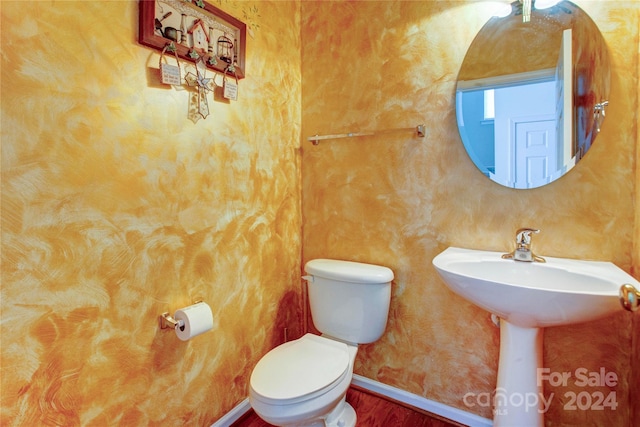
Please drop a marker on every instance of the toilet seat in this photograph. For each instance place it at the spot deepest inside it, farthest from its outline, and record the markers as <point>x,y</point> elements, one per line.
<point>299,370</point>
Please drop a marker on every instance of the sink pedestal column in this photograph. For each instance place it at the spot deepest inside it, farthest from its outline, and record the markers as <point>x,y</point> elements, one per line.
<point>519,400</point>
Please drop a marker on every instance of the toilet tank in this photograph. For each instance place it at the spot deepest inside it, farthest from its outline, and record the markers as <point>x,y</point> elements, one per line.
<point>349,300</point>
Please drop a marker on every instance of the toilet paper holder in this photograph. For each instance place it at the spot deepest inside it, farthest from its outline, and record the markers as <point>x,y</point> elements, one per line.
<point>168,322</point>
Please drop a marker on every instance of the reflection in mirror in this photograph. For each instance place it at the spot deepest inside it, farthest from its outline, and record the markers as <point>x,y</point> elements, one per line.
<point>531,96</point>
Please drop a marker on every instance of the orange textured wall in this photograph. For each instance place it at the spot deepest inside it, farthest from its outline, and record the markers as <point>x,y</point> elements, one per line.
<point>398,200</point>
<point>116,207</point>
<point>635,339</point>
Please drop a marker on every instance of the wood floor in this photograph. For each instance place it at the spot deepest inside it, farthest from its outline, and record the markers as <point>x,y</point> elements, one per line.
<point>373,411</point>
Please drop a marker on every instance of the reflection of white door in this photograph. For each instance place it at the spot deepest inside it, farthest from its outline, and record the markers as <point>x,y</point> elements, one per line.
<point>564,102</point>
<point>535,151</point>
<point>522,117</point>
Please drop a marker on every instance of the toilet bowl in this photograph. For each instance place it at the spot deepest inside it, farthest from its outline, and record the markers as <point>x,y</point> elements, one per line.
<point>304,383</point>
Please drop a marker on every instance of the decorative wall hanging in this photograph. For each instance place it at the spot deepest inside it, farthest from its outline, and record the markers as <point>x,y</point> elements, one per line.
<point>198,104</point>
<point>170,74</point>
<point>194,26</point>
<point>230,88</point>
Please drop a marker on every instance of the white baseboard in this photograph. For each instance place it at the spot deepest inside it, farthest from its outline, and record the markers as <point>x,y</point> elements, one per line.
<point>449,412</point>
<point>234,415</point>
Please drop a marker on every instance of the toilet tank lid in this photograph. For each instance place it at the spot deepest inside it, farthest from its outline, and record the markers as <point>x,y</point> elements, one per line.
<point>349,271</point>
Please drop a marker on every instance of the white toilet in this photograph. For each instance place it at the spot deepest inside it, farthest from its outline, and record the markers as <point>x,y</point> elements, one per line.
<point>304,382</point>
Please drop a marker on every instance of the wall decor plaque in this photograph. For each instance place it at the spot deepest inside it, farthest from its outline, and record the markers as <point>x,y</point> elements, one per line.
<point>195,27</point>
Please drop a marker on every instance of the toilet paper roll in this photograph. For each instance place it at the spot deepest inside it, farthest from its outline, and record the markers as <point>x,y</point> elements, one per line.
<point>193,320</point>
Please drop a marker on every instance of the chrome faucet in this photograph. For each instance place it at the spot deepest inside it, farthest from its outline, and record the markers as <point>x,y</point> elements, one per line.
<point>523,251</point>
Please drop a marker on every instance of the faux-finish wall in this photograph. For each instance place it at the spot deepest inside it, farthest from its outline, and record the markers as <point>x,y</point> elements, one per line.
<point>398,200</point>
<point>116,208</point>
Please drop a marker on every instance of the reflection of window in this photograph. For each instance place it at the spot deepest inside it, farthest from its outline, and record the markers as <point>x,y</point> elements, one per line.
<point>489,104</point>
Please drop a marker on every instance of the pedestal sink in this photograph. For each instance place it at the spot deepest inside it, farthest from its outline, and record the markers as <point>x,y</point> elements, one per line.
<point>528,296</point>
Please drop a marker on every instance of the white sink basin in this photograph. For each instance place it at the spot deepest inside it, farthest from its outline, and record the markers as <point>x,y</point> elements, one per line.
<point>532,294</point>
<point>529,296</point>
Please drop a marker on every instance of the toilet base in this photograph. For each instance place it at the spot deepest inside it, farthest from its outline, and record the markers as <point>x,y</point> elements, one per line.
<point>346,417</point>
<point>343,415</point>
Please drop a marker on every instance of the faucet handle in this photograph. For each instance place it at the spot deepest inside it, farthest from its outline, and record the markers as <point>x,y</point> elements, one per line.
<point>523,236</point>
<point>523,251</point>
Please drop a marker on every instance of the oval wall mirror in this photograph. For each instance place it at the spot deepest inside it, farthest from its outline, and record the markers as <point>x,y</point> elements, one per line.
<point>531,96</point>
